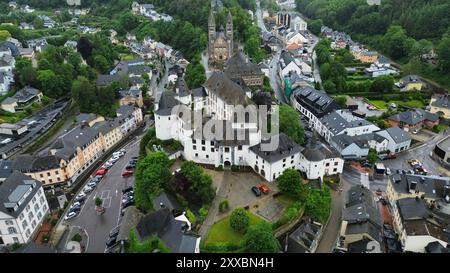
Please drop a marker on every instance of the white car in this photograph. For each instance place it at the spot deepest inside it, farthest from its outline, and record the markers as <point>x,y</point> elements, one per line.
<point>81,195</point>
<point>87,189</point>
<point>76,204</point>
<point>388,171</point>
<point>70,215</point>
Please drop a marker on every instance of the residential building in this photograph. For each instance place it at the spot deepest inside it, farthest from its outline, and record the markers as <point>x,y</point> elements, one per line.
<point>410,82</point>
<point>415,225</point>
<point>343,122</point>
<point>361,221</point>
<point>365,56</point>
<point>305,238</point>
<point>414,120</point>
<point>442,151</point>
<point>292,20</point>
<point>440,104</point>
<point>21,99</point>
<point>133,96</point>
<point>23,207</point>
<point>288,65</point>
<point>356,147</point>
<point>240,67</point>
<point>312,103</point>
<point>399,140</point>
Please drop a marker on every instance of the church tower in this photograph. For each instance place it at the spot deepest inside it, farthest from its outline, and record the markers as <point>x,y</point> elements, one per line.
<point>211,31</point>
<point>229,30</point>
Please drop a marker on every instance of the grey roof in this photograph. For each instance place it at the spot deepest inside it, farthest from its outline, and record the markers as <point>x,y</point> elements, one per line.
<point>285,59</point>
<point>365,228</point>
<point>300,241</point>
<point>136,80</point>
<point>414,116</point>
<point>166,102</point>
<point>86,117</point>
<point>133,92</point>
<point>13,189</point>
<point>138,69</point>
<point>5,169</point>
<point>29,163</point>
<point>181,88</point>
<point>162,224</point>
<point>105,80</point>
<point>398,135</point>
<point>410,79</point>
<point>344,140</point>
<point>239,66</point>
<point>442,101</point>
<point>383,60</point>
<point>125,110</point>
<point>412,209</point>
<point>337,121</point>
<point>362,246</point>
<point>130,219</point>
<point>436,247</point>
<point>431,186</point>
<point>167,200</point>
<point>80,136</point>
<point>316,101</point>
<point>11,46</point>
<point>25,94</point>
<point>360,206</point>
<point>199,92</point>
<point>286,148</point>
<point>226,89</point>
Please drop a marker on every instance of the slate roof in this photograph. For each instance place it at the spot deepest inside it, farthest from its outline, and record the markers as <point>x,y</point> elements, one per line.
<point>199,92</point>
<point>398,135</point>
<point>432,186</point>
<point>11,46</point>
<point>133,92</point>
<point>13,189</point>
<point>415,116</point>
<point>136,80</point>
<point>5,169</point>
<point>239,66</point>
<point>285,59</point>
<point>337,121</point>
<point>226,89</point>
<point>181,88</point>
<point>317,102</point>
<point>436,247</point>
<point>80,136</point>
<point>162,224</point>
<point>344,140</point>
<point>25,94</point>
<point>410,79</point>
<point>105,80</point>
<point>412,209</point>
<point>138,69</point>
<point>441,101</point>
<point>28,163</point>
<point>286,148</point>
<point>166,102</point>
<point>300,241</point>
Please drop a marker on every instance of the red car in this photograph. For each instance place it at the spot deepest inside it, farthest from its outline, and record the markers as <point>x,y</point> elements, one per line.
<point>127,173</point>
<point>100,172</point>
<point>263,188</point>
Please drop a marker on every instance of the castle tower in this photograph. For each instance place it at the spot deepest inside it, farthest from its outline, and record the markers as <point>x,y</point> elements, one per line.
<point>229,32</point>
<point>211,31</point>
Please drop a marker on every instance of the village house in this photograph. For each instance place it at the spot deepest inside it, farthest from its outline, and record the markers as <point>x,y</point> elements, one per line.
<point>21,99</point>
<point>440,105</point>
<point>414,120</point>
<point>240,67</point>
<point>410,82</point>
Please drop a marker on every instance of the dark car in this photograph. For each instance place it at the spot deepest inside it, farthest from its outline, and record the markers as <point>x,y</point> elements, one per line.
<point>111,241</point>
<point>129,167</point>
<point>127,190</point>
<point>114,232</point>
<point>256,191</point>
<point>128,203</point>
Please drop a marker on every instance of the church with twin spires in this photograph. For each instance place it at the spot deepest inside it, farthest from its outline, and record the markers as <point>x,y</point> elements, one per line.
<point>220,45</point>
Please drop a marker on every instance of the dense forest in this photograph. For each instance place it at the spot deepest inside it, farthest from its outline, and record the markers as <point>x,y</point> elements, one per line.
<point>405,30</point>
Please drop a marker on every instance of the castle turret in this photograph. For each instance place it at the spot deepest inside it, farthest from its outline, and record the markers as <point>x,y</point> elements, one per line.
<point>211,31</point>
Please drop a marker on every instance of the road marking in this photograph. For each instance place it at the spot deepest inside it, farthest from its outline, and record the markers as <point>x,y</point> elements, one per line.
<point>105,194</point>
<point>117,192</point>
<point>106,202</point>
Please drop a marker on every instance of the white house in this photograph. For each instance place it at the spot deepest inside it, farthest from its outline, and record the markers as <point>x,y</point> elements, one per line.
<point>343,122</point>
<point>23,207</point>
<point>130,117</point>
<point>399,140</point>
<point>288,65</point>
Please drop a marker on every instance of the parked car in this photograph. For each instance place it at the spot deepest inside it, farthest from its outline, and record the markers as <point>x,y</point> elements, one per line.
<point>366,164</point>
<point>111,241</point>
<point>100,172</point>
<point>79,198</point>
<point>75,209</point>
<point>256,191</point>
<point>128,203</point>
<point>81,195</point>
<point>114,232</point>
<point>388,171</point>
<point>70,215</point>
<point>92,184</point>
<point>263,188</point>
<point>127,173</point>
<point>129,167</point>
<point>87,189</point>
<point>128,189</point>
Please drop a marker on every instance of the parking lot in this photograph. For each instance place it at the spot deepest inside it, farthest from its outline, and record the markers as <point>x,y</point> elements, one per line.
<point>109,189</point>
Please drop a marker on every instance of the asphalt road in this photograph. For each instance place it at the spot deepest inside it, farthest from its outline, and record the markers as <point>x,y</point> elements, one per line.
<point>109,190</point>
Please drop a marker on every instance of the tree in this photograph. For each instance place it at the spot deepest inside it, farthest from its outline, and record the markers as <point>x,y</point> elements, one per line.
<point>50,83</point>
<point>98,202</point>
<point>25,74</point>
<point>38,23</point>
<point>200,183</point>
<point>443,53</point>
<point>239,220</point>
<point>289,123</point>
<point>315,26</point>
<point>195,75</point>
<point>290,183</point>
<point>84,47</point>
<point>152,173</point>
<point>191,217</point>
<point>382,84</point>
<point>318,203</point>
<point>396,43</point>
<point>372,156</point>
<point>260,239</point>
<point>4,34</point>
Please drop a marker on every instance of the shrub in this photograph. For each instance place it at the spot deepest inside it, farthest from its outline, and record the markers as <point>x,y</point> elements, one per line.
<point>239,220</point>
<point>203,211</point>
<point>53,222</point>
<point>46,238</point>
<point>222,247</point>
<point>224,206</point>
<point>77,237</point>
<point>191,217</point>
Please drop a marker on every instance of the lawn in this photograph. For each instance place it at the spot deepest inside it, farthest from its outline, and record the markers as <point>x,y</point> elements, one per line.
<point>381,104</point>
<point>221,232</point>
<point>285,200</point>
